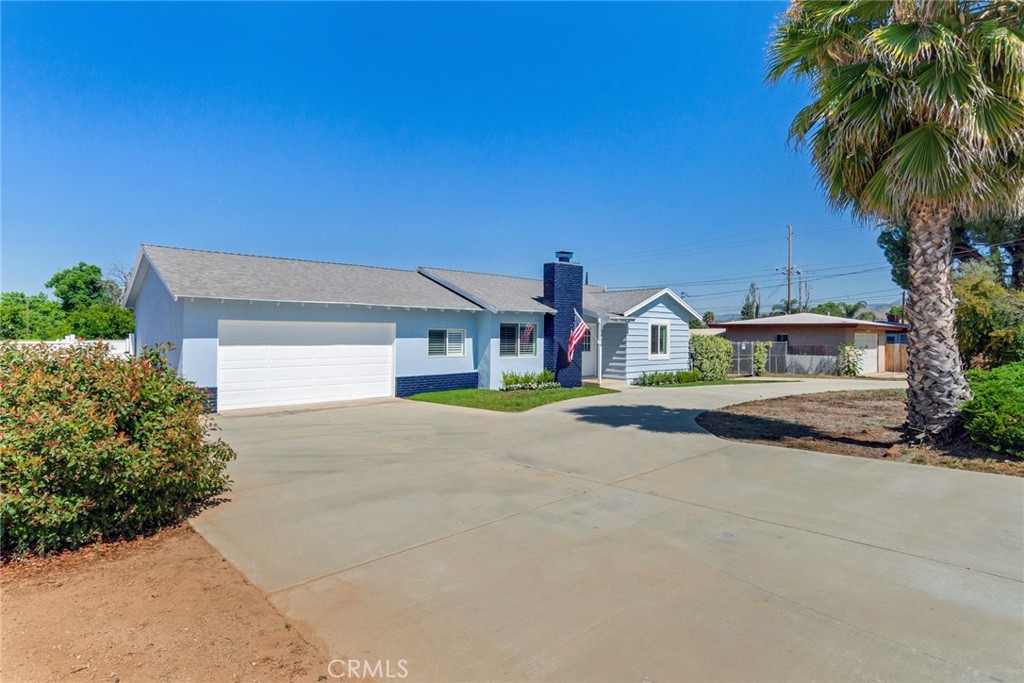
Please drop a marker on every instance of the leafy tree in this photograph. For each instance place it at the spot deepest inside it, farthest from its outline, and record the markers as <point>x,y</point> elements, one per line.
<point>1003,242</point>
<point>917,119</point>
<point>42,318</point>
<point>831,308</point>
<point>751,303</point>
<point>697,324</point>
<point>102,322</point>
<point>989,318</point>
<point>82,286</point>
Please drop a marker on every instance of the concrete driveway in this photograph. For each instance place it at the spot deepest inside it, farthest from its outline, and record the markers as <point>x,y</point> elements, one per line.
<point>610,539</point>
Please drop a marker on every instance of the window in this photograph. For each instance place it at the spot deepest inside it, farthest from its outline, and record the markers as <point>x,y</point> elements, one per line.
<point>446,343</point>
<point>517,339</point>
<point>585,342</point>
<point>659,339</point>
<point>782,338</point>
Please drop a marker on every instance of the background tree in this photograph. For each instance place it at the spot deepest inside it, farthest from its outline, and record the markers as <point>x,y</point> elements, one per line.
<point>708,318</point>
<point>917,119</point>
<point>751,303</point>
<point>989,318</point>
<point>102,322</point>
<point>31,317</point>
<point>82,286</point>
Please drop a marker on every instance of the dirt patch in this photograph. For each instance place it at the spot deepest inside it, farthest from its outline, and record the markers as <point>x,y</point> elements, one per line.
<point>866,424</point>
<point>163,608</point>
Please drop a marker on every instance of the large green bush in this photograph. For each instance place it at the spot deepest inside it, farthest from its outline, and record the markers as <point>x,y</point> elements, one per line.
<point>95,447</point>
<point>712,357</point>
<point>995,416</point>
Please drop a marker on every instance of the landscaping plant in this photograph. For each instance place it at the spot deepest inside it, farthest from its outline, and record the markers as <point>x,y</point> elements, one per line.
<point>995,416</point>
<point>712,357</point>
<point>660,379</point>
<point>848,360</point>
<point>761,357</point>
<point>529,381</point>
<point>94,447</point>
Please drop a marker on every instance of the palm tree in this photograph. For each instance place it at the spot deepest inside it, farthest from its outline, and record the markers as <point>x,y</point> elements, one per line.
<point>917,116</point>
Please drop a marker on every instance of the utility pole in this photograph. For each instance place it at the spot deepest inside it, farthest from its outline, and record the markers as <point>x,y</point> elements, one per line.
<point>789,273</point>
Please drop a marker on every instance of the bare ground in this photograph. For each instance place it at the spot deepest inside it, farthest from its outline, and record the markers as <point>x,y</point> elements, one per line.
<point>865,424</point>
<point>163,608</point>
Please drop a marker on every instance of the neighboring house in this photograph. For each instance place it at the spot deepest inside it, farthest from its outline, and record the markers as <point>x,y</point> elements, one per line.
<point>257,331</point>
<point>813,335</point>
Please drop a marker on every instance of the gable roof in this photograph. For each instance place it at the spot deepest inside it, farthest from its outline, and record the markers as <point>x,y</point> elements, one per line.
<point>194,273</point>
<point>625,302</point>
<point>807,320</point>
<point>218,275</point>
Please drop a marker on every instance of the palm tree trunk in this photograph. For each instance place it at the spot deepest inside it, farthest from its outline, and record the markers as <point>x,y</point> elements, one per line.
<point>934,372</point>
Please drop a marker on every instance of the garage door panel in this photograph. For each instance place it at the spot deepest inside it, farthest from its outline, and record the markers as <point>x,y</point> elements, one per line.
<point>265,364</point>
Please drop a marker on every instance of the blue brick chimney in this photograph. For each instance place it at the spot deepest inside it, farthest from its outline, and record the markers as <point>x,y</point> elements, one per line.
<point>563,291</point>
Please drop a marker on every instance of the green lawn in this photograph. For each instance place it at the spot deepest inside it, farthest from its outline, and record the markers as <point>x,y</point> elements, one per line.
<point>506,401</point>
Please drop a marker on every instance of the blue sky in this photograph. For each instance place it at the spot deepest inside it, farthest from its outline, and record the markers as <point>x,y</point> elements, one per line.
<point>472,136</point>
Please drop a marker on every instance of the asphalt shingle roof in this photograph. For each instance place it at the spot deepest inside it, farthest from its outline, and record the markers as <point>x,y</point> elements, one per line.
<point>217,275</point>
<point>617,303</point>
<point>500,292</point>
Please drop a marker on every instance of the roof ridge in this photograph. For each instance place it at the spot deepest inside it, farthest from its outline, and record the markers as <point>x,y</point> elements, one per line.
<point>278,258</point>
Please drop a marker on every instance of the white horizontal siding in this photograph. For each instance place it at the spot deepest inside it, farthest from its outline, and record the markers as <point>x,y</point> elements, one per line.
<point>637,343</point>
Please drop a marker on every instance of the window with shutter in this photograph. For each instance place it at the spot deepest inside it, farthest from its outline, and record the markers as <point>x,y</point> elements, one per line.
<point>507,342</point>
<point>456,343</point>
<point>436,343</point>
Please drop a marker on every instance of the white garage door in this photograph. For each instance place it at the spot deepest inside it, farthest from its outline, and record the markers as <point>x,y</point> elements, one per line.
<point>868,343</point>
<point>277,363</point>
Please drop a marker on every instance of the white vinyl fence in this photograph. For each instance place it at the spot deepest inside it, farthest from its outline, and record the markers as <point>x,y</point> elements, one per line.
<point>115,347</point>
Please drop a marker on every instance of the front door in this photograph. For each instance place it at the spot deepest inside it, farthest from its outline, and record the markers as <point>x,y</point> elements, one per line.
<point>589,348</point>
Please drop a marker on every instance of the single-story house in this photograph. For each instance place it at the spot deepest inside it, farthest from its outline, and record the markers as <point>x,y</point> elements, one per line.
<point>257,331</point>
<point>812,334</point>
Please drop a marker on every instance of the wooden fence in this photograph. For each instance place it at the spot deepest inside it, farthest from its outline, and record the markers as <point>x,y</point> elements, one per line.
<point>895,357</point>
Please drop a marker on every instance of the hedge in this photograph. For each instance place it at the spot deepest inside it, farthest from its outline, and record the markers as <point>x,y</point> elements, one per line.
<point>94,447</point>
<point>712,357</point>
<point>995,416</point>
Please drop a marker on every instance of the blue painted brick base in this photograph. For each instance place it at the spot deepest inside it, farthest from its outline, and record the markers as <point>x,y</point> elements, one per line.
<point>211,398</point>
<point>418,384</point>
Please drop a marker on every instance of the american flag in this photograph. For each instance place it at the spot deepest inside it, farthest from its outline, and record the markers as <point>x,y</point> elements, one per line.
<point>578,330</point>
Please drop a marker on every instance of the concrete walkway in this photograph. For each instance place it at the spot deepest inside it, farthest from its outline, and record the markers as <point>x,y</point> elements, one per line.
<point>610,539</point>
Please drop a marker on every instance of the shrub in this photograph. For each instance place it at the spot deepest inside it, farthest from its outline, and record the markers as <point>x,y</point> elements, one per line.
<point>93,447</point>
<point>530,381</point>
<point>848,360</point>
<point>761,357</point>
<point>995,416</point>
<point>712,357</point>
<point>660,379</point>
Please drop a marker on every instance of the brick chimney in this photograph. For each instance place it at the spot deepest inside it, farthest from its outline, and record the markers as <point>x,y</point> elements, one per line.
<point>563,291</point>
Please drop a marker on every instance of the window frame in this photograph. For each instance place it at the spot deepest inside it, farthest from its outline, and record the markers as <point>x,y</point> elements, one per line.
<point>519,346</point>
<point>585,342</point>
<point>447,342</point>
<point>781,338</point>
<point>657,324</point>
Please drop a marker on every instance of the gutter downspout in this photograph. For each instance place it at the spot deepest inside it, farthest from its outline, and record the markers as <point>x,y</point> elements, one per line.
<point>600,340</point>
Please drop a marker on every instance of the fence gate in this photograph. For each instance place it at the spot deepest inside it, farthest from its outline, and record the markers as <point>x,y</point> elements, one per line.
<point>895,357</point>
<point>743,358</point>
